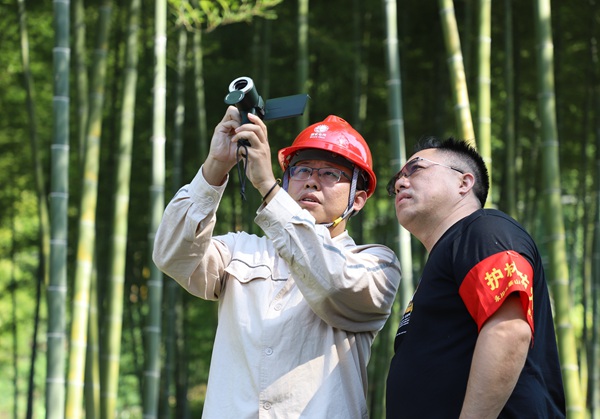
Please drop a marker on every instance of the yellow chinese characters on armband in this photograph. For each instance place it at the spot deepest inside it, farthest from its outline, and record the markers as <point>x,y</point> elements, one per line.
<point>488,283</point>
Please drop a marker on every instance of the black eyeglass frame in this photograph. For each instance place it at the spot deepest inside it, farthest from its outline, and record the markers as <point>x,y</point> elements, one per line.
<point>413,167</point>
<point>320,173</point>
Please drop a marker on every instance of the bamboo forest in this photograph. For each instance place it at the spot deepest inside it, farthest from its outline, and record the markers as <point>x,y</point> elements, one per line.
<point>109,108</point>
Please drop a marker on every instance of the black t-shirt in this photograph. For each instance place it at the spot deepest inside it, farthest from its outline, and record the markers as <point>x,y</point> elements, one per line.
<point>474,266</point>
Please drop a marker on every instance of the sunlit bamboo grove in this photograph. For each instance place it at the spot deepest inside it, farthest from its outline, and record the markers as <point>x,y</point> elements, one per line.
<point>108,109</point>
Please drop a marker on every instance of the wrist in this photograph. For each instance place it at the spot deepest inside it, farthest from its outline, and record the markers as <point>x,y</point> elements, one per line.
<point>214,171</point>
<point>266,196</point>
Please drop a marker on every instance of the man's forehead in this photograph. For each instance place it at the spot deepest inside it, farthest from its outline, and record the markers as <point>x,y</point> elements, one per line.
<point>427,153</point>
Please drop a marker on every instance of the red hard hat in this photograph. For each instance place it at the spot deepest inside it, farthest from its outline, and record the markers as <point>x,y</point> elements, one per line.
<point>336,135</point>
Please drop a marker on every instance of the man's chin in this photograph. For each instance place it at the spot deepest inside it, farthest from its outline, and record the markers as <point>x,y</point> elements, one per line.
<point>403,217</point>
<point>312,211</point>
<point>309,206</point>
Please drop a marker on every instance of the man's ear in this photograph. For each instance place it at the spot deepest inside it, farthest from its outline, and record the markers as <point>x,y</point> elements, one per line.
<point>360,199</point>
<point>467,182</point>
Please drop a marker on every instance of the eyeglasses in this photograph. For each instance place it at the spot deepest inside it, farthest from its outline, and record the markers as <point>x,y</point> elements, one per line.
<point>328,176</point>
<point>410,168</point>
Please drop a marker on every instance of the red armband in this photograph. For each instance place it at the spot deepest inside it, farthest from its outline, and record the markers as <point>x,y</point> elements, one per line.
<point>488,283</point>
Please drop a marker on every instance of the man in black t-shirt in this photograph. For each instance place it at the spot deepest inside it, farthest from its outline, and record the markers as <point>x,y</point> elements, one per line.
<point>477,340</point>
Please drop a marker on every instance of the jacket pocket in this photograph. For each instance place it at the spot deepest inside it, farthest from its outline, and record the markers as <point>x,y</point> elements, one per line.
<point>245,272</point>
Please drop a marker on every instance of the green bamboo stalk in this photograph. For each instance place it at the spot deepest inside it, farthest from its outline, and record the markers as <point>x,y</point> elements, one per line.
<point>198,53</point>
<point>81,76</point>
<point>398,147</point>
<point>13,308</point>
<point>155,283</point>
<point>92,382</point>
<point>583,232</point>
<point>484,119</point>
<point>458,80</point>
<point>554,223</point>
<point>40,189</point>
<point>179,117</point>
<point>92,358</point>
<point>44,234</point>
<point>398,143</point>
<point>59,196</point>
<point>510,186</point>
<point>87,224</point>
<point>113,318</point>
<point>594,364</point>
<point>172,288</point>
<point>263,57</point>
<point>594,385</point>
<point>302,75</point>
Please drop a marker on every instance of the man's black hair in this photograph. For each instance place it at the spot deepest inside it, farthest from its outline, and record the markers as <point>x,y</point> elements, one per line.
<point>466,154</point>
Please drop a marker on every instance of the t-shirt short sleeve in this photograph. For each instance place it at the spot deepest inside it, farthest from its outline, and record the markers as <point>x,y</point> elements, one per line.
<point>492,280</point>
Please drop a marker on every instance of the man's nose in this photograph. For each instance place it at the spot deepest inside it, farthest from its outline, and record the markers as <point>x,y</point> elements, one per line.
<point>400,183</point>
<point>313,180</point>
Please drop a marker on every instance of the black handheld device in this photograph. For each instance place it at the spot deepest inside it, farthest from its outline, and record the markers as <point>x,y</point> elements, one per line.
<point>244,96</point>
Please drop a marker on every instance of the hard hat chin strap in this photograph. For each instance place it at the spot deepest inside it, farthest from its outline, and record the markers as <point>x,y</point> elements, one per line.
<point>348,212</point>
<point>286,179</point>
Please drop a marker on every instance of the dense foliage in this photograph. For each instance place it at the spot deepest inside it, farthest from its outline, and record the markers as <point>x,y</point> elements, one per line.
<point>261,42</point>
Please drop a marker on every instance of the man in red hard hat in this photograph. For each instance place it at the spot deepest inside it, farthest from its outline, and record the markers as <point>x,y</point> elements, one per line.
<point>300,306</point>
